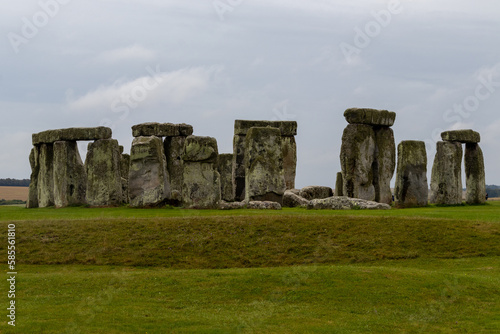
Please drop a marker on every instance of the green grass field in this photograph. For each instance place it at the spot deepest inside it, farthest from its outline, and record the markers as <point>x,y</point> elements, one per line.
<point>121,270</point>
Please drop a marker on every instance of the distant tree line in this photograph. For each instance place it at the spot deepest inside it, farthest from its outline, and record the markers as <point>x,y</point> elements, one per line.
<point>14,183</point>
<point>493,191</point>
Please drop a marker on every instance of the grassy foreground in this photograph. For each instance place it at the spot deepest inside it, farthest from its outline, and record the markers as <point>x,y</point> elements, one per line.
<point>429,270</point>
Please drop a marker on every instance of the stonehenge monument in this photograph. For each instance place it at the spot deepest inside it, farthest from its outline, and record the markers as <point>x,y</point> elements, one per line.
<point>368,154</point>
<point>446,180</point>
<point>411,175</point>
<point>167,164</point>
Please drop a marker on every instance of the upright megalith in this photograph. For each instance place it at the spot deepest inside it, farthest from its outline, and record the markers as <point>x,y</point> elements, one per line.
<point>368,154</point>
<point>225,169</point>
<point>35,168</point>
<point>104,186</point>
<point>201,181</point>
<point>446,180</point>
<point>148,180</point>
<point>288,131</point>
<point>264,174</point>
<point>474,174</point>
<point>70,178</point>
<point>46,176</point>
<point>357,155</point>
<point>339,185</point>
<point>411,176</point>
<point>124,171</point>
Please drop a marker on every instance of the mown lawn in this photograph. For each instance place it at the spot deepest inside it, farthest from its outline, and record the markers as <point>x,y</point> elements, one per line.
<point>121,270</point>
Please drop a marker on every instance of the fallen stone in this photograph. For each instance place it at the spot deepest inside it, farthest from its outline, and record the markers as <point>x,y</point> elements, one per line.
<point>316,192</point>
<point>148,181</point>
<point>293,200</point>
<point>287,128</point>
<point>225,169</point>
<point>370,117</point>
<point>339,185</point>
<point>357,155</point>
<point>446,180</point>
<point>264,174</point>
<point>104,186</point>
<point>474,174</point>
<point>411,177</point>
<point>70,178</point>
<point>223,205</point>
<point>385,164</point>
<point>263,205</point>
<point>35,169</point>
<point>71,134</point>
<point>345,203</point>
<point>46,176</point>
<point>462,136</point>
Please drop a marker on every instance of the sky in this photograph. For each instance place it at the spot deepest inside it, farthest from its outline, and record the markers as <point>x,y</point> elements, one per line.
<point>70,63</point>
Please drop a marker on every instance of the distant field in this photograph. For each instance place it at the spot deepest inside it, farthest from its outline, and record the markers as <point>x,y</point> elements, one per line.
<point>11,193</point>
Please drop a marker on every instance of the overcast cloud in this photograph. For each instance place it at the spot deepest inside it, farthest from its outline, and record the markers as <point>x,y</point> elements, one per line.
<point>118,63</point>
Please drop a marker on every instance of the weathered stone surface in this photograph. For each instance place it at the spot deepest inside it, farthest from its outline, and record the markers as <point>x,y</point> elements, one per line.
<point>370,116</point>
<point>70,178</point>
<point>475,174</point>
<point>223,205</point>
<point>161,129</point>
<point>287,128</point>
<point>356,157</point>
<point>35,169</point>
<point>462,136</point>
<point>71,134</point>
<point>198,149</point>
<point>384,164</point>
<point>174,147</point>
<point>316,192</point>
<point>446,180</point>
<point>264,174</point>
<point>289,148</point>
<point>339,185</point>
<point>124,171</point>
<point>263,205</point>
<point>225,169</point>
<point>239,167</point>
<point>201,185</point>
<point>148,181</point>
<point>345,203</point>
<point>104,186</point>
<point>46,176</point>
<point>292,200</point>
<point>411,177</point>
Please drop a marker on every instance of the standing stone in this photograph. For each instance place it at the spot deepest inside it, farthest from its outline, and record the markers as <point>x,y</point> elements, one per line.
<point>289,149</point>
<point>70,178</point>
<point>446,180</point>
<point>104,186</point>
<point>201,181</point>
<point>124,171</point>
<point>356,157</point>
<point>46,176</point>
<point>35,168</point>
<point>225,169</point>
<point>264,174</point>
<point>339,185</point>
<point>475,175</point>
<point>411,177</point>
<point>174,147</point>
<point>239,167</point>
<point>384,164</point>
<point>148,183</point>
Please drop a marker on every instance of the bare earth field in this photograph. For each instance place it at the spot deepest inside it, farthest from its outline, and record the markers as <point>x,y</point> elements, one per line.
<point>11,193</point>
